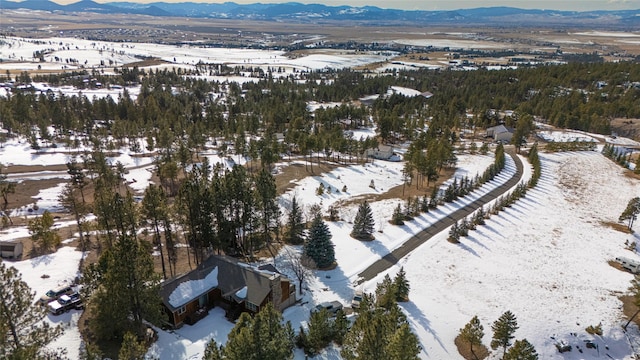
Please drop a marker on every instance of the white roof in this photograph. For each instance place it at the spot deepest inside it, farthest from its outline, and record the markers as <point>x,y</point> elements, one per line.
<point>189,290</point>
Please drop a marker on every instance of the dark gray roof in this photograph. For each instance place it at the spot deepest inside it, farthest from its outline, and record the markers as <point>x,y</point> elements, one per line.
<point>232,277</point>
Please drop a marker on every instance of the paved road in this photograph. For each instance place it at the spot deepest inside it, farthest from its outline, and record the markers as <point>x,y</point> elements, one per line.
<point>420,238</point>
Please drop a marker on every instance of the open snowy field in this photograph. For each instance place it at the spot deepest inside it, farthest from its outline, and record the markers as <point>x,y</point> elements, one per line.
<point>545,259</point>
<point>18,54</point>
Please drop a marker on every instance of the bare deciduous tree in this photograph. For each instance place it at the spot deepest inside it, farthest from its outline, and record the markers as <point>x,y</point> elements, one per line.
<point>300,265</point>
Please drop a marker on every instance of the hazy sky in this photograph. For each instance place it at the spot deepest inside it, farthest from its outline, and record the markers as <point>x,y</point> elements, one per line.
<point>579,5</point>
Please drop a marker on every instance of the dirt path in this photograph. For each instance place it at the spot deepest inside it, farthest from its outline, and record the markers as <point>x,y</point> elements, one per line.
<point>420,238</point>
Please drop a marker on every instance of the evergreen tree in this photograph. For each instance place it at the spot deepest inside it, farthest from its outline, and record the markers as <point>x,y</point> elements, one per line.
<point>23,333</point>
<point>131,348</point>
<point>154,209</point>
<point>379,333</point>
<point>398,217</point>
<point>630,213</point>
<point>212,351</point>
<point>266,204</point>
<point>318,246</point>
<point>401,285</point>
<point>434,198</point>
<point>386,293</point>
<point>295,226</point>
<point>128,291</point>
<point>454,233</point>
<point>6,187</point>
<point>68,199</point>
<point>363,224</point>
<point>340,327</point>
<point>320,332</point>
<point>472,333</point>
<point>521,350</point>
<point>263,337</point>
<point>240,343</point>
<point>478,219</point>
<point>424,204</point>
<point>503,330</point>
<point>403,344</point>
<point>44,237</point>
<point>78,177</point>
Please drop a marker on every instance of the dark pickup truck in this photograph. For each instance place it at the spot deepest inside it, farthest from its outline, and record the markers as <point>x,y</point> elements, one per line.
<point>66,303</point>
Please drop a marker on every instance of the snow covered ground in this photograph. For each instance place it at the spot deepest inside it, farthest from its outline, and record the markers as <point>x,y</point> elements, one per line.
<point>545,258</point>
<point>17,54</point>
<point>564,136</point>
<point>47,272</point>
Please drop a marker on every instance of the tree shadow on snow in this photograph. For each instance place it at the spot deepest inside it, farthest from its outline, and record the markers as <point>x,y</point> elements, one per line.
<point>417,319</point>
<point>475,240</point>
<point>468,249</point>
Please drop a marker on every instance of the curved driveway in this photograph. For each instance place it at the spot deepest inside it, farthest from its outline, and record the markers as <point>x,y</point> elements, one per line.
<point>420,238</point>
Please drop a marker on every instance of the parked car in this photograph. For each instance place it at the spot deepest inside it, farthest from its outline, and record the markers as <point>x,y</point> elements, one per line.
<point>331,307</point>
<point>54,294</point>
<point>65,303</point>
<point>357,298</point>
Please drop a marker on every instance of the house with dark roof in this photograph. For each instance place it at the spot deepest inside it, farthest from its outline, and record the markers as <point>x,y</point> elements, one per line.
<point>224,281</point>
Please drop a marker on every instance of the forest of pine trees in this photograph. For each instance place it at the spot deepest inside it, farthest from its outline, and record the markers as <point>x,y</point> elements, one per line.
<point>234,211</point>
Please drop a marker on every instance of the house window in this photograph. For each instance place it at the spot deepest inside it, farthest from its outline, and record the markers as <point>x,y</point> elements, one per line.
<point>251,306</point>
<point>182,310</point>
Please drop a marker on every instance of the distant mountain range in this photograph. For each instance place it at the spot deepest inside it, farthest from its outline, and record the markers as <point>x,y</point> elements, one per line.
<point>316,13</point>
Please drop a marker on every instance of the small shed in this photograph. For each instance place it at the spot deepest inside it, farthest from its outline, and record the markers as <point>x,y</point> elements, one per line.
<point>11,249</point>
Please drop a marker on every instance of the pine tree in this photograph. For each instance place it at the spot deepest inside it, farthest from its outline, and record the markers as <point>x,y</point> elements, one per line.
<point>386,293</point>
<point>263,337</point>
<point>479,216</point>
<point>23,333</point>
<point>631,212</point>
<point>340,327</point>
<point>6,187</point>
<point>44,237</point>
<point>295,226</point>
<point>401,285</point>
<point>503,330</point>
<point>131,348</point>
<point>363,224</point>
<point>472,333</point>
<point>154,208</point>
<point>521,350</point>
<point>301,338</point>
<point>434,198</point>
<point>266,204</point>
<point>128,291</point>
<point>463,229</point>
<point>69,201</point>
<point>403,345</point>
<point>320,332</point>
<point>318,246</point>
<point>454,233</point>
<point>240,344</point>
<point>78,177</point>
<point>424,204</point>
<point>379,333</point>
<point>397,218</point>
<point>212,351</point>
